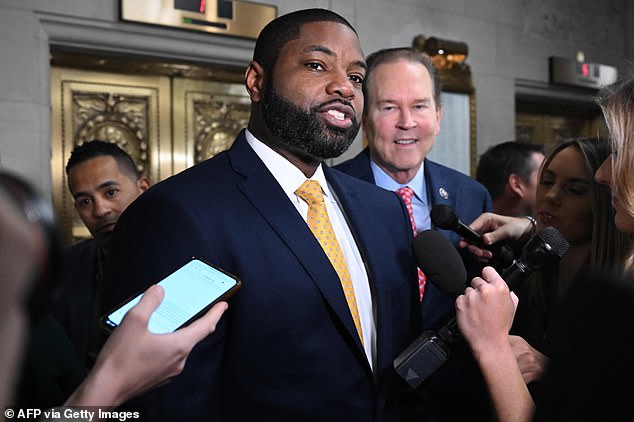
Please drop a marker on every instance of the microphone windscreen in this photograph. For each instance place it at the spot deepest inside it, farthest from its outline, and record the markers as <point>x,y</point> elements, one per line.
<point>437,257</point>
<point>543,250</point>
<point>556,240</point>
<point>444,217</point>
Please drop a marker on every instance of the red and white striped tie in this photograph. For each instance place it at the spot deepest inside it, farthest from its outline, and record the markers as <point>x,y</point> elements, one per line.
<point>407,193</point>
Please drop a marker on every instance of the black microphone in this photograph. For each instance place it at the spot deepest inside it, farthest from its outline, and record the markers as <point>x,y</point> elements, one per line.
<point>430,350</point>
<point>543,250</point>
<point>444,217</point>
<point>437,257</point>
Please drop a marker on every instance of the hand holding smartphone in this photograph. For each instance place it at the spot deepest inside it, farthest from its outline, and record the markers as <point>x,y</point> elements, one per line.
<point>189,292</point>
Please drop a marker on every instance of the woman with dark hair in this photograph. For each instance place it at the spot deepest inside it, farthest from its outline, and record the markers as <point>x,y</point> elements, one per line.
<point>569,200</point>
<point>589,377</point>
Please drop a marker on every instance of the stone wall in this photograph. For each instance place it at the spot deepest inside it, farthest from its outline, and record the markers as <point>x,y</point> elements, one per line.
<point>508,40</point>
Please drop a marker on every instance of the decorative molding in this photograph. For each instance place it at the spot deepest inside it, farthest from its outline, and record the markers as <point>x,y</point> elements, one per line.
<point>217,122</point>
<point>111,117</point>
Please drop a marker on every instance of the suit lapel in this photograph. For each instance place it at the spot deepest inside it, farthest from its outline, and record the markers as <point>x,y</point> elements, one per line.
<point>268,198</point>
<point>438,189</point>
<point>357,216</point>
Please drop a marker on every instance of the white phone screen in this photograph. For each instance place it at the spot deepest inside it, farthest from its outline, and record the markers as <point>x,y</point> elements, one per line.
<point>188,291</point>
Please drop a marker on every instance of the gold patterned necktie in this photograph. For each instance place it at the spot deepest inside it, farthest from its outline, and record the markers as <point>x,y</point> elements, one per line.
<point>407,193</point>
<point>319,223</point>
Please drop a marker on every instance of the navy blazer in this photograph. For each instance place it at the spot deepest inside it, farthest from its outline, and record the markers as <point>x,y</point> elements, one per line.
<point>465,195</point>
<point>73,296</point>
<point>287,348</point>
<point>460,378</point>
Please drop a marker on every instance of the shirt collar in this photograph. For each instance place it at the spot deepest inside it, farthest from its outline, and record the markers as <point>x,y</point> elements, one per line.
<point>287,175</point>
<point>417,184</point>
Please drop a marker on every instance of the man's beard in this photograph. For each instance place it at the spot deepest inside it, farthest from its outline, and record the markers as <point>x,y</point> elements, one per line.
<point>304,131</point>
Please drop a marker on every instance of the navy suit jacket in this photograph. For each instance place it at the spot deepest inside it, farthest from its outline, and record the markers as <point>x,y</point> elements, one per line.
<point>446,186</point>
<point>287,348</point>
<point>460,378</point>
<point>72,302</point>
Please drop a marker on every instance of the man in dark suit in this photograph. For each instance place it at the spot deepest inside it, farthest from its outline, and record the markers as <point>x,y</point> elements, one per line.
<point>291,347</point>
<point>401,120</point>
<point>103,181</point>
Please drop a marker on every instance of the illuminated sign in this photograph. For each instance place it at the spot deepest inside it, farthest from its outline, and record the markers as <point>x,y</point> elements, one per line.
<point>238,18</point>
<point>572,72</point>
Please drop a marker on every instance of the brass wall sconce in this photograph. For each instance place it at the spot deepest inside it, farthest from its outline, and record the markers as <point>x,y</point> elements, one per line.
<point>449,57</point>
<point>445,54</point>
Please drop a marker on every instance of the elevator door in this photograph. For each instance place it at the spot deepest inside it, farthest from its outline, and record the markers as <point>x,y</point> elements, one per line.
<point>549,121</point>
<point>551,130</point>
<point>166,123</point>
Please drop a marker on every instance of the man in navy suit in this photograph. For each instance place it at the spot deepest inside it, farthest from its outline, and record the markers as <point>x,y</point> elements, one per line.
<point>288,348</point>
<point>401,119</point>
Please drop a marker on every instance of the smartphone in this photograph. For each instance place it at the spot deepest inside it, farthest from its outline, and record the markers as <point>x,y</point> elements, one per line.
<point>189,292</point>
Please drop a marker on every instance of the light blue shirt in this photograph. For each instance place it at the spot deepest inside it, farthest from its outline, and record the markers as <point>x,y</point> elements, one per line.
<point>420,205</point>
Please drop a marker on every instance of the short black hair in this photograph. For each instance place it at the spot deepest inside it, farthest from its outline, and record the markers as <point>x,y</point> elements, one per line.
<point>391,55</point>
<point>97,148</point>
<point>501,160</point>
<point>285,28</point>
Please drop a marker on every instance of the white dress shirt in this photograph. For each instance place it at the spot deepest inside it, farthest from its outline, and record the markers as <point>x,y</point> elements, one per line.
<point>290,179</point>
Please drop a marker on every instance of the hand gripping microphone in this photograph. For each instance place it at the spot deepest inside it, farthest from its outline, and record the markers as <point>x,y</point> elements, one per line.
<point>543,250</point>
<point>437,257</point>
<point>431,350</point>
<point>444,217</point>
